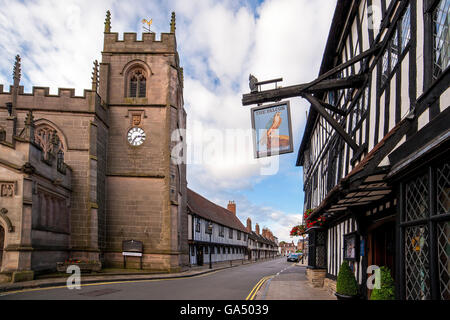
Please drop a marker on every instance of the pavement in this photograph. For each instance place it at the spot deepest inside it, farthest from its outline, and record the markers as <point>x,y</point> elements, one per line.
<point>121,275</point>
<point>291,284</point>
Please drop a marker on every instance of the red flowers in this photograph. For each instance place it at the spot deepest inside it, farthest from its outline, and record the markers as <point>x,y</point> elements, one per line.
<point>72,261</point>
<point>312,223</point>
<point>297,230</point>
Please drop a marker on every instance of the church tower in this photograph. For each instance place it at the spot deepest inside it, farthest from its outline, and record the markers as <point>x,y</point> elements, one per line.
<point>141,86</point>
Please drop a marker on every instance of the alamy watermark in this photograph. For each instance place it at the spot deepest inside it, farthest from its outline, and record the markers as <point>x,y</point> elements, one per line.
<point>374,281</point>
<point>74,281</point>
<point>227,147</point>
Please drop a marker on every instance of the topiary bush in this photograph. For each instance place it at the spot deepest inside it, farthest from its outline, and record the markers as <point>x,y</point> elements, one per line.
<point>387,290</point>
<point>346,282</point>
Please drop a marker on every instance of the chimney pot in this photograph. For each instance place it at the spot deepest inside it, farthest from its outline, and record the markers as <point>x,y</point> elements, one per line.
<point>232,207</point>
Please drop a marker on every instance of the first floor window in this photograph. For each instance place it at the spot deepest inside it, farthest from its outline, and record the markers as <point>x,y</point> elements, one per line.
<point>441,38</point>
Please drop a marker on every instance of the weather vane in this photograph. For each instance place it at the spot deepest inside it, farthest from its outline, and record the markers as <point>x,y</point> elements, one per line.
<point>149,23</point>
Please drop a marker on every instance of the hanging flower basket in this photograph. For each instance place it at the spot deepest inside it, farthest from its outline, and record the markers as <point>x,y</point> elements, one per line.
<point>298,230</point>
<point>310,223</point>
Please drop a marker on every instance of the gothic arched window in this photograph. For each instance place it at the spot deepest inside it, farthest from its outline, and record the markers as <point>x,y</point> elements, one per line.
<point>137,84</point>
<point>49,140</point>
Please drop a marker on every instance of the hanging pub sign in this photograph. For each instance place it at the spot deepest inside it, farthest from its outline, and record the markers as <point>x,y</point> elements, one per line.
<point>272,131</point>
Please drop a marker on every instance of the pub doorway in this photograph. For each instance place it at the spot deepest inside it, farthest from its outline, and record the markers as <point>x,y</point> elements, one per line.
<point>2,244</point>
<point>381,246</point>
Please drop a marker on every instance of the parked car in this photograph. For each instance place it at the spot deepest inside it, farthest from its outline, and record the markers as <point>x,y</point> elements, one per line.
<point>294,257</point>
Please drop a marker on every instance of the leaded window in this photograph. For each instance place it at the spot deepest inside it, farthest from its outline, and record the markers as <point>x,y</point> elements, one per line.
<point>441,38</point>
<point>443,240</point>
<point>425,228</point>
<point>443,189</point>
<point>417,198</point>
<point>230,233</point>
<point>417,263</point>
<point>221,231</point>
<point>396,46</point>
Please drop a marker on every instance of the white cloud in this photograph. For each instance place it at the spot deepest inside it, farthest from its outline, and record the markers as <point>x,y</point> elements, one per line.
<point>220,43</point>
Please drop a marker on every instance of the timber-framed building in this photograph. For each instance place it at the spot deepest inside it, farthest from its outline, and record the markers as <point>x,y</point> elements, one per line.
<point>375,150</point>
<point>392,191</point>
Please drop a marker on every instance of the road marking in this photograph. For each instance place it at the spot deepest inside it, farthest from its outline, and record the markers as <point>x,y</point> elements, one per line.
<point>104,283</point>
<point>256,288</point>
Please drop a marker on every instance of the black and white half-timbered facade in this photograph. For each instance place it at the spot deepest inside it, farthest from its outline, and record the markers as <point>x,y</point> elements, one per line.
<point>214,232</point>
<point>375,151</point>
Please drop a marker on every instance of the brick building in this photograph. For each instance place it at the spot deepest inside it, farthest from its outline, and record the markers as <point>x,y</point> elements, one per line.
<point>79,175</point>
<point>287,248</point>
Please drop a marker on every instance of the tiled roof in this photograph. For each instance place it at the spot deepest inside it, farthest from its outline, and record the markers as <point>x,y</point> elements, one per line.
<point>211,211</point>
<point>254,236</point>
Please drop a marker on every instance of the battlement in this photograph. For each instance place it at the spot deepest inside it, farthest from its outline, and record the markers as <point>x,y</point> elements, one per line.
<point>45,92</point>
<point>65,100</point>
<point>130,44</point>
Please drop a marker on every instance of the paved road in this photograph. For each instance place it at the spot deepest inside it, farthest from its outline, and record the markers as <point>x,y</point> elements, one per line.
<point>228,284</point>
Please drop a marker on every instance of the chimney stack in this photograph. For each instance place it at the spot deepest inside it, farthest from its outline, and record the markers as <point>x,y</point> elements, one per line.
<point>257,229</point>
<point>232,207</point>
<point>249,225</point>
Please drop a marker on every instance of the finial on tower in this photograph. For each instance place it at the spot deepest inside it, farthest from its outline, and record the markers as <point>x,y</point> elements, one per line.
<point>17,71</point>
<point>172,23</point>
<point>95,76</point>
<point>108,22</point>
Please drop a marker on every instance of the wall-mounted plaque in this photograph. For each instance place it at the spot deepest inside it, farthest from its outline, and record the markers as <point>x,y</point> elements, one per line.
<point>7,190</point>
<point>351,246</point>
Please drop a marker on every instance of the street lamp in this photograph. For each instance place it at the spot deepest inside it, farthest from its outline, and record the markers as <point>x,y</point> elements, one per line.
<point>210,229</point>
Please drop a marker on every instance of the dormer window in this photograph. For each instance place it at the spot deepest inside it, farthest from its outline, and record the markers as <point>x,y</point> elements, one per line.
<point>137,84</point>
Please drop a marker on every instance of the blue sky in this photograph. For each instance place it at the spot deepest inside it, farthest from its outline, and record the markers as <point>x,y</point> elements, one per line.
<point>220,43</point>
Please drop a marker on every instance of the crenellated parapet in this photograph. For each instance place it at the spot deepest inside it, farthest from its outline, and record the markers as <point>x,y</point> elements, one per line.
<point>65,100</point>
<point>148,44</point>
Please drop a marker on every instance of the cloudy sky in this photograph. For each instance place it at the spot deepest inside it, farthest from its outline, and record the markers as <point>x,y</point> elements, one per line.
<point>220,43</point>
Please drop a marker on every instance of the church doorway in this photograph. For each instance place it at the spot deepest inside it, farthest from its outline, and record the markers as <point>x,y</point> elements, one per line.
<point>2,243</point>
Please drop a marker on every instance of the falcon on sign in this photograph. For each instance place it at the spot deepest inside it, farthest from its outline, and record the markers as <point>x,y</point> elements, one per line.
<point>272,125</point>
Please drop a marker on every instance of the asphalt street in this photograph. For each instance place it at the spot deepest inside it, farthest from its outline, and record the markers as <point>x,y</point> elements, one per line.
<point>227,284</point>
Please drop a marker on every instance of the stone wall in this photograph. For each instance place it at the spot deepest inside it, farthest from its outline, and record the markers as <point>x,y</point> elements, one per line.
<point>329,285</point>
<point>316,277</point>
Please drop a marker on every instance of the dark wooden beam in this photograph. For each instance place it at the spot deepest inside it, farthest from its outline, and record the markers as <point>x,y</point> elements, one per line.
<point>318,106</point>
<point>334,109</point>
<point>368,53</point>
<point>295,91</point>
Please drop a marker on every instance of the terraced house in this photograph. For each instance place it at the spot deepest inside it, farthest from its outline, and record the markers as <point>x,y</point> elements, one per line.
<point>380,174</point>
<point>214,232</point>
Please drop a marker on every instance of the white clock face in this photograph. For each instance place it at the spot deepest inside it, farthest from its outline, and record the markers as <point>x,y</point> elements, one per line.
<point>136,136</point>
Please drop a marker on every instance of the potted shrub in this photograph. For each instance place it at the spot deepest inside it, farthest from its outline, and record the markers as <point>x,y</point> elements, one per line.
<point>387,289</point>
<point>346,285</point>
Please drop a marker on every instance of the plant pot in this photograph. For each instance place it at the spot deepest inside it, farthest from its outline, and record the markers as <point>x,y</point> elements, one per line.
<point>345,297</point>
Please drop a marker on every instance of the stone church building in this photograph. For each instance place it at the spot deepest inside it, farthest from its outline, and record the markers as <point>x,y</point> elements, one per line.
<point>80,175</point>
